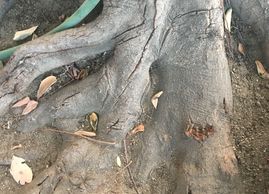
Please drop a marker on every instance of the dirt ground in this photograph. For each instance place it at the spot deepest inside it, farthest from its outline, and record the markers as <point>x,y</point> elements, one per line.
<point>250,95</point>
<point>250,112</point>
<point>28,13</point>
<point>25,14</point>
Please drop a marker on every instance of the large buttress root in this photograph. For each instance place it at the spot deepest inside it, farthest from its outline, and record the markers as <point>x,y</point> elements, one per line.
<point>158,45</point>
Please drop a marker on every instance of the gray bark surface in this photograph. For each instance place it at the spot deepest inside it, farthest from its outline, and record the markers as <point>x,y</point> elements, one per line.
<point>176,47</point>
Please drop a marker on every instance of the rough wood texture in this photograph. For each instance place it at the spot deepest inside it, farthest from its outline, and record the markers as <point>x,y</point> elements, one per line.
<point>167,45</point>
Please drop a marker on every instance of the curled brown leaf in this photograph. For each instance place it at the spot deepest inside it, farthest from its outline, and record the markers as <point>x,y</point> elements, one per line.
<point>137,129</point>
<point>155,98</point>
<point>199,132</point>
<point>82,74</point>
<point>21,102</point>
<point>32,104</point>
<point>261,70</point>
<point>241,48</point>
<point>228,19</point>
<point>93,120</point>
<point>45,85</point>
<point>20,35</point>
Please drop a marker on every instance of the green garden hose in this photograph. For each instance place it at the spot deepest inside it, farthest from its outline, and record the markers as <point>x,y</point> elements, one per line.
<point>72,21</point>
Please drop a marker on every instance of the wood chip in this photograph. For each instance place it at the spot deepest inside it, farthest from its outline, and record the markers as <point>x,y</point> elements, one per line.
<point>119,161</point>
<point>32,104</point>
<point>241,49</point>
<point>45,85</point>
<point>261,70</point>
<point>137,129</point>
<point>20,171</point>
<point>21,102</point>
<point>155,98</point>
<point>85,133</point>
<point>228,19</point>
<point>20,35</point>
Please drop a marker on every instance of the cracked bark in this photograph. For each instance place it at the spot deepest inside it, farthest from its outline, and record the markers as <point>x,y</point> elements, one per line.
<point>158,53</point>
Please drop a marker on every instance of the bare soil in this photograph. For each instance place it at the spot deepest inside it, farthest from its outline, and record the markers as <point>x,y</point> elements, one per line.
<point>28,13</point>
<point>250,112</point>
<point>23,15</point>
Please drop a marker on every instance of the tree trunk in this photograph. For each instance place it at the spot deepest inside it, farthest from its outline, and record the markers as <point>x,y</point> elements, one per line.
<point>139,48</point>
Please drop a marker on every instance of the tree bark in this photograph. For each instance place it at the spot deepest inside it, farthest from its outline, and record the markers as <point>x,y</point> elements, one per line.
<point>170,46</point>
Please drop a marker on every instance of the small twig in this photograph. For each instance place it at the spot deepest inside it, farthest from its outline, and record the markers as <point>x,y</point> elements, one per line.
<point>116,128</point>
<point>128,168</point>
<point>121,170</point>
<point>40,183</point>
<point>113,126</point>
<point>81,136</point>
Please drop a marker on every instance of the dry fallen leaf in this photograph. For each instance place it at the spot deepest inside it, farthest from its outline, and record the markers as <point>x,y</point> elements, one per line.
<point>45,85</point>
<point>21,102</point>
<point>154,99</point>
<point>118,161</point>
<point>32,104</point>
<point>93,120</point>
<point>261,70</point>
<point>20,35</point>
<point>228,19</point>
<point>82,74</point>
<point>241,48</point>
<point>20,171</point>
<point>137,129</point>
<point>198,131</point>
<point>85,133</point>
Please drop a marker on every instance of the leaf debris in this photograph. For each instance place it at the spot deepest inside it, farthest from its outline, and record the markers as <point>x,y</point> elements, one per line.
<point>118,161</point>
<point>137,129</point>
<point>93,120</point>
<point>32,104</point>
<point>199,132</point>
<point>154,99</point>
<point>228,19</point>
<point>20,35</point>
<point>45,85</point>
<point>21,102</point>
<point>241,49</point>
<point>261,70</point>
<point>20,171</point>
